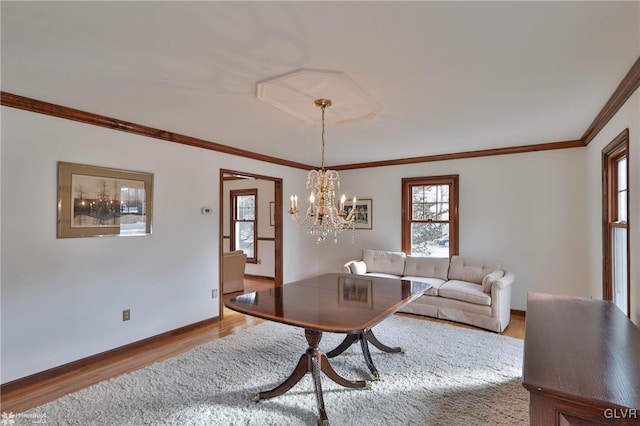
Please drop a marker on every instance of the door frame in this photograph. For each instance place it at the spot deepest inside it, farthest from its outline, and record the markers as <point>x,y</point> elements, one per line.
<point>277,196</point>
<point>620,144</point>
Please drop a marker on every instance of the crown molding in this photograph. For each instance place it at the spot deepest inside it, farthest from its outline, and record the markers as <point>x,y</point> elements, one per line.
<point>623,92</point>
<point>466,154</point>
<point>59,111</point>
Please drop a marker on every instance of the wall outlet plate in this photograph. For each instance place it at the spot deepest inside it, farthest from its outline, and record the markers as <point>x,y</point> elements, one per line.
<point>126,315</point>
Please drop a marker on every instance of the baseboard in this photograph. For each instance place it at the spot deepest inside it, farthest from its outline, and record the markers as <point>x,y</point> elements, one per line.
<point>93,359</point>
<point>518,313</point>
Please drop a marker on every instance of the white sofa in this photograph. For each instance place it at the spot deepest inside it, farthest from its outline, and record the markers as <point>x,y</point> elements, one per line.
<point>470,291</point>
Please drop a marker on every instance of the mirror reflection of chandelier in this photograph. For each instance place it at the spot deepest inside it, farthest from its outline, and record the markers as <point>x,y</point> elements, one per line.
<point>323,218</point>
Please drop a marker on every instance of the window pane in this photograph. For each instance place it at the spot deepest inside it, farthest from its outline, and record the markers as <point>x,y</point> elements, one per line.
<point>622,173</point>
<point>443,193</point>
<point>245,207</point>
<point>430,239</point>
<point>244,237</point>
<point>430,211</point>
<point>417,212</point>
<point>619,241</point>
<point>443,211</point>
<point>622,206</point>
<point>417,194</point>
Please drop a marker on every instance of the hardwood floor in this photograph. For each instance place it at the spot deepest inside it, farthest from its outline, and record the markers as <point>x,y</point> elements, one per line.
<point>20,398</point>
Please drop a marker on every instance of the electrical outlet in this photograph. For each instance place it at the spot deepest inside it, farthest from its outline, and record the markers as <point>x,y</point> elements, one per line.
<point>214,294</point>
<point>126,315</point>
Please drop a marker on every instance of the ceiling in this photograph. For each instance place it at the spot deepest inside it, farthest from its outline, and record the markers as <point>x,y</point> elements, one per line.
<point>445,77</point>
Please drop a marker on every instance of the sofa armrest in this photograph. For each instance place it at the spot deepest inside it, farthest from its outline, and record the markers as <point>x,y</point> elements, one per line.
<point>501,300</point>
<point>504,282</point>
<point>346,268</point>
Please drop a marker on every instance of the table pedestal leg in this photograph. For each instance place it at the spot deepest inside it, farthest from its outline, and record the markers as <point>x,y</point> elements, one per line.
<point>364,337</point>
<point>312,361</point>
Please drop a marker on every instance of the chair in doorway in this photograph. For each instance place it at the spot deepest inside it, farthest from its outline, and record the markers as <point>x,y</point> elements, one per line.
<point>233,264</point>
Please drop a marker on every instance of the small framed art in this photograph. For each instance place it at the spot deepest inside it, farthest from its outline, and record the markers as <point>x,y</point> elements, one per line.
<point>363,214</point>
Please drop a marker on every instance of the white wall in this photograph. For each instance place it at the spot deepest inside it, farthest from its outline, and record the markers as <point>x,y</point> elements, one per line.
<point>627,117</point>
<point>62,299</point>
<point>526,209</point>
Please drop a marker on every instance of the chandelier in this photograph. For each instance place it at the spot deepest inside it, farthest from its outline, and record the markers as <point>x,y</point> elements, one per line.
<point>323,218</point>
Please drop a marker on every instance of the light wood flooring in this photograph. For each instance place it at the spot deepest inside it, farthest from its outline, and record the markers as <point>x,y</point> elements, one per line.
<point>18,399</point>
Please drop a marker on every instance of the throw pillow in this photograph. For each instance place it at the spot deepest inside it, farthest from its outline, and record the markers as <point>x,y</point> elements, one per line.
<point>359,268</point>
<point>488,280</point>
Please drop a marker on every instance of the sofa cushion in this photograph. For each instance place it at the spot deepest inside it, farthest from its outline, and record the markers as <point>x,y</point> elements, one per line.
<point>471,270</point>
<point>464,291</point>
<point>436,283</point>
<point>387,262</point>
<point>431,267</point>
<point>488,279</point>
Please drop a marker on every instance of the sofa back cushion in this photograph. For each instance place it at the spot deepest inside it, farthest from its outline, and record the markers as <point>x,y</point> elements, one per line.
<point>388,262</point>
<point>471,270</point>
<point>422,266</point>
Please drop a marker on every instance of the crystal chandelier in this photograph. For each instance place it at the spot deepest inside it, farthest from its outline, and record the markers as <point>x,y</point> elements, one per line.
<point>323,218</point>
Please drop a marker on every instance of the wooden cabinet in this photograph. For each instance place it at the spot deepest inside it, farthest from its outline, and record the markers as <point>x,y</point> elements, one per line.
<point>581,362</point>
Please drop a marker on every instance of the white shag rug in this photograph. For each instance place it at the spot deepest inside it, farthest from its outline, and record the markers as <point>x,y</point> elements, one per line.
<point>448,376</point>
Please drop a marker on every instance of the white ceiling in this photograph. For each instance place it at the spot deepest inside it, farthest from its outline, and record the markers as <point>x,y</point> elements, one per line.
<point>449,76</point>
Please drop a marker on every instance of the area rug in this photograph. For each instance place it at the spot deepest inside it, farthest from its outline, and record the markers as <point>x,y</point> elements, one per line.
<point>447,376</point>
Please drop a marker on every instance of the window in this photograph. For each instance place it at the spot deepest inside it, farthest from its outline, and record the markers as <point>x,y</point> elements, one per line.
<point>430,216</point>
<point>615,170</point>
<point>244,212</point>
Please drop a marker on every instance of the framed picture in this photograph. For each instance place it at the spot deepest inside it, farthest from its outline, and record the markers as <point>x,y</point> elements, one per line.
<point>364,213</point>
<point>272,213</point>
<point>98,201</point>
<point>357,292</point>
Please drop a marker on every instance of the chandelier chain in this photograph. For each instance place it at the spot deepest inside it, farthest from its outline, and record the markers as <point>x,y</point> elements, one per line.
<point>323,108</point>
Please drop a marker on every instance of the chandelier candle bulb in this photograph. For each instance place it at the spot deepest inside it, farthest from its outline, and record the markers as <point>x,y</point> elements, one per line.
<point>342,200</point>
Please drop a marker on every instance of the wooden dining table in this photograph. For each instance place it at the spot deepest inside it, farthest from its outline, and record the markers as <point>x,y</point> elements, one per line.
<point>334,303</point>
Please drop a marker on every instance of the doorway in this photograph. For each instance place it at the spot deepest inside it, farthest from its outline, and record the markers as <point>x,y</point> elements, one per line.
<point>266,238</point>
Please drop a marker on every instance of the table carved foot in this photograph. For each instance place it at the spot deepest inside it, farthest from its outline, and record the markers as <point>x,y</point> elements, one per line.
<point>312,361</point>
<point>364,337</point>
<point>384,348</point>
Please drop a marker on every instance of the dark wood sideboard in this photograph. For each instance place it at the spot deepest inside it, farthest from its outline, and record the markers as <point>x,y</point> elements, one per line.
<point>581,362</point>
